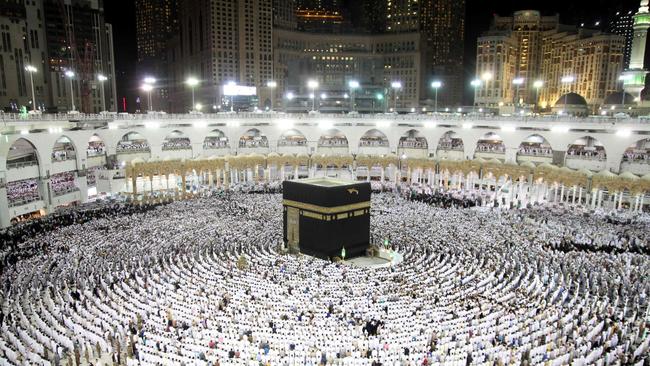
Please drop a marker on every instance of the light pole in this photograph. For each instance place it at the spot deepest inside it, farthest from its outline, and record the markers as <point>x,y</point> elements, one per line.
<point>567,80</point>
<point>486,77</point>
<point>623,79</point>
<point>272,84</point>
<point>148,86</point>
<point>354,85</point>
<point>31,70</point>
<point>192,82</point>
<point>102,79</point>
<point>476,83</point>
<point>517,82</point>
<point>313,85</point>
<point>436,85</point>
<point>396,85</point>
<point>70,75</point>
<point>289,98</point>
<point>538,84</point>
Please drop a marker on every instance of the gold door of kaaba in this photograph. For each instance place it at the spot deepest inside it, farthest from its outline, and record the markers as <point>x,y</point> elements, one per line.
<point>293,226</point>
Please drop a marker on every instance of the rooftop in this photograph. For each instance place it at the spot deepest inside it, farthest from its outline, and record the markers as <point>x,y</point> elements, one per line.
<point>325,182</point>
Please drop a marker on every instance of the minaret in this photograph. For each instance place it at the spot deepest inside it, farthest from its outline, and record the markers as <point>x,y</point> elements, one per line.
<point>634,77</point>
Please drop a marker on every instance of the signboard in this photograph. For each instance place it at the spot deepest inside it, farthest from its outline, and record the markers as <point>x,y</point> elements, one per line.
<point>239,90</point>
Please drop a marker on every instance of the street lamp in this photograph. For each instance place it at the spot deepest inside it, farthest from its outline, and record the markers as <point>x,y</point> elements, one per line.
<point>476,83</point>
<point>102,78</point>
<point>70,75</point>
<point>272,84</point>
<point>353,84</point>
<point>313,85</point>
<point>192,82</point>
<point>436,85</point>
<point>517,82</point>
<point>31,70</point>
<point>567,80</point>
<point>396,85</point>
<point>623,79</point>
<point>538,84</point>
<point>148,88</point>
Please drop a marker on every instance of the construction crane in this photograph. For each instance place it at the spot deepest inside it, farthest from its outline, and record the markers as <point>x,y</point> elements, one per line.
<point>85,64</point>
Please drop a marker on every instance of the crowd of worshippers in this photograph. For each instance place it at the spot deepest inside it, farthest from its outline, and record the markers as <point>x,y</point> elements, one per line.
<point>204,281</point>
<point>445,199</point>
<point>22,191</point>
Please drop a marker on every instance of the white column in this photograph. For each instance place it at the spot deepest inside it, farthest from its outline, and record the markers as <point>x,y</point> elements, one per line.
<point>641,203</point>
<point>580,196</point>
<point>620,201</point>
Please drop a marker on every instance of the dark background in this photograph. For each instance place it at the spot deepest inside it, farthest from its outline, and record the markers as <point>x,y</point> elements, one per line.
<point>479,13</point>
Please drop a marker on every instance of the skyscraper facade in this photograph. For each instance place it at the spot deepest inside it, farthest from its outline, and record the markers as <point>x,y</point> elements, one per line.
<point>54,37</point>
<point>622,24</point>
<point>442,26</point>
<point>220,42</point>
<point>522,60</point>
<point>156,22</point>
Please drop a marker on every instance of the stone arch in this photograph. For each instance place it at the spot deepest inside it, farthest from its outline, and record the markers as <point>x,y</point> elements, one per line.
<point>451,141</point>
<point>413,139</point>
<point>586,152</point>
<point>176,140</point>
<point>535,148</point>
<point>216,139</point>
<point>96,146</point>
<point>292,137</point>
<point>374,138</point>
<point>587,147</point>
<point>253,138</point>
<point>23,156</point>
<point>636,158</point>
<point>490,145</point>
<point>135,145</point>
<point>63,149</point>
<point>22,152</point>
<point>333,138</point>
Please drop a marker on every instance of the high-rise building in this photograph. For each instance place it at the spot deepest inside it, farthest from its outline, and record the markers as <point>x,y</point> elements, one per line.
<point>526,48</point>
<point>375,61</point>
<point>635,74</point>
<point>56,36</point>
<point>156,22</point>
<point>22,43</point>
<point>442,26</point>
<point>284,14</point>
<point>221,41</point>
<point>322,16</point>
<point>622,24</point>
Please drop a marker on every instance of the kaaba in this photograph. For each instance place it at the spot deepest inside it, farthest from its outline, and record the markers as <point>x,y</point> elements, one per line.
<point>323,216</point>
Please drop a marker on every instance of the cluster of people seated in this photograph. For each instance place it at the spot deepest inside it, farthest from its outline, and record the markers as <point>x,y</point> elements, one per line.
<point>63,183</point>
<point>451,145</point>
<point>96,148</point>
<point>633,156</point>
<point>442,198</point>
<point>207,281</point>
<point>581,152</point>
<point>535,150</point>
<point>333,142</point>
<point>215,143</point>
<point>253,143</point>
<point>413,143</point>
<point>22,191</point>
<point>373,142</point>
<point>490,147</point>
<point>181,143</point>
<point>133,147</point>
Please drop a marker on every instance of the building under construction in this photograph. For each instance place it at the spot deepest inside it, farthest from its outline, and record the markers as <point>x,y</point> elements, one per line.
<point>56,36</point>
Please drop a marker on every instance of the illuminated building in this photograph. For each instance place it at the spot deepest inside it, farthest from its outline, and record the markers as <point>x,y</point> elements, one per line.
<point>534,48</point>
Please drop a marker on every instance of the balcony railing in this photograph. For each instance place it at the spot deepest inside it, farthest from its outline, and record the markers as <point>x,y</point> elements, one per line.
<point>11,117</point>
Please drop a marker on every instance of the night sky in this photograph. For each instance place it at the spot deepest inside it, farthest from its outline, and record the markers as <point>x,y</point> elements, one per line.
<point>479,14</point>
